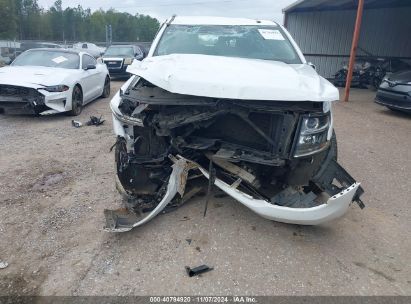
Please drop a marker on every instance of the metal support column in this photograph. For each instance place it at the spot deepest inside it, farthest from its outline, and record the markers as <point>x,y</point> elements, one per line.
<point>354,45</point>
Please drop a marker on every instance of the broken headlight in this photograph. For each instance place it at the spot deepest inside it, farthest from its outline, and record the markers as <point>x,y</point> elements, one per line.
<point>313,135</point>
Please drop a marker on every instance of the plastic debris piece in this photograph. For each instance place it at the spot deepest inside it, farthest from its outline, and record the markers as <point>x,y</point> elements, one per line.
<point>95,121</point>
<point>198,270</point>
<point>3,264</point>
<point>76,124</point>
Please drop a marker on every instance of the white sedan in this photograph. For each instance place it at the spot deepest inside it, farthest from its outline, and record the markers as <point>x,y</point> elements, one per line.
<point>94,50</point>
<point>50,81</point>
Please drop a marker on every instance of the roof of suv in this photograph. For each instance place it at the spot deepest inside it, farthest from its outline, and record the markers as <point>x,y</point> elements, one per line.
<point>208,20</point>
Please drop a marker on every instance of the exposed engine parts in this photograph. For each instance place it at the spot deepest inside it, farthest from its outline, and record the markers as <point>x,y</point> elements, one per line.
<point>279,155</point>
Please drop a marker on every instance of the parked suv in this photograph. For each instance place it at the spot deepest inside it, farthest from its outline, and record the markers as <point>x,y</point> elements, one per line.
<point>234,102</point>
<point>119,57</point>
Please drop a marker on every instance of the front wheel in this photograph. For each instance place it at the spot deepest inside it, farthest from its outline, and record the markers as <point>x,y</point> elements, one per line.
<point>107,88</point>
<point>76,102</point>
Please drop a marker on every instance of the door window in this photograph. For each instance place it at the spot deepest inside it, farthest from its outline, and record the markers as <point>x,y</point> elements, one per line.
<point>87,60</point>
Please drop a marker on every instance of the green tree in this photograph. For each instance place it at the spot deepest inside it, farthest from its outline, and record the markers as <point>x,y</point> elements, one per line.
<point>28,15</point>
<point>146,27</point>
<point>8,19</point>
<point>56,21</point>
<point>25,19</point>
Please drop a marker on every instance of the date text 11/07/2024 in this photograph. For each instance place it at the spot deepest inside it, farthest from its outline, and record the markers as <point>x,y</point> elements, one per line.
<point>198,299</point>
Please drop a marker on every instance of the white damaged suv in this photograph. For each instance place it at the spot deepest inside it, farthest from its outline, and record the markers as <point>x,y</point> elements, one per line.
<point>233,101</point>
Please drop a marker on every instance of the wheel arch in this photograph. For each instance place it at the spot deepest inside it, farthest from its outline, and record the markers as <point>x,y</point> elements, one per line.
<point>77,84</point>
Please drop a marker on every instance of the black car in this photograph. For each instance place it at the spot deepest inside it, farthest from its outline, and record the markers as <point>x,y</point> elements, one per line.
<point>370,71</point>
<point>395,91</point>
<point>119,57</point>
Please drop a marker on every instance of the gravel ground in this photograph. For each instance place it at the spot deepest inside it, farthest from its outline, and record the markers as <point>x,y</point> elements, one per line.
<point>55,182</point>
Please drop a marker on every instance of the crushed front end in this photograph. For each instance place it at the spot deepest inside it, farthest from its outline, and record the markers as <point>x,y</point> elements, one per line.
<point>19,99</point>
<point>278,158</point>
<point>31,99</point>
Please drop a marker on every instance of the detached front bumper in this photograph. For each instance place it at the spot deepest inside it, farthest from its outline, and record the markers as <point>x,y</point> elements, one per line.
<point>336,206</point>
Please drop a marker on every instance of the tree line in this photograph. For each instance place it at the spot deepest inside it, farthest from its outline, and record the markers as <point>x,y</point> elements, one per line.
<point>27,20</point>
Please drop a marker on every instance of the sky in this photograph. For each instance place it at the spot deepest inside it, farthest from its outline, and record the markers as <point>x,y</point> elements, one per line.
<point>162,9</point>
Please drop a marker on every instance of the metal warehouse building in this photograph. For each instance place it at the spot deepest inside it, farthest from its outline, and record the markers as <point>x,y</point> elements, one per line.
<point>324,30</point>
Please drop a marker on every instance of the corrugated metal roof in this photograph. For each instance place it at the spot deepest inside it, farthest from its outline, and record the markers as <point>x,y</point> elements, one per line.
<point>328,5</point>
<point>325,37</point>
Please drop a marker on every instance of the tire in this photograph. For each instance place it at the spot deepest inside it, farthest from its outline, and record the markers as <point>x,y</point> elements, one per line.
<point>76,102</point>
<point>107,88</point>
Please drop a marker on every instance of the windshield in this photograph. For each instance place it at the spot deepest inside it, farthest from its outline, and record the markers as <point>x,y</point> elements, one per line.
<point>244,41</point>
<point>120,51</point>
<point>54,59</point>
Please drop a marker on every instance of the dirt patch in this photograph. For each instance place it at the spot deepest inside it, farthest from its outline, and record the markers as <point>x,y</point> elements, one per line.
<point>21,284</point>
<point>49,181</point>
<point>63,217</point>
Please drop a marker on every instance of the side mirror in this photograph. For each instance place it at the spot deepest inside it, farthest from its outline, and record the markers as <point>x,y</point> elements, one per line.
<point>90,67</point>
<point>312,65</point>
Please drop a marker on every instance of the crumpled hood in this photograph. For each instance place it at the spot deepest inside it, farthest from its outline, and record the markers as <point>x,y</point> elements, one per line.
<point>235,78</point>
<point>34,76</point>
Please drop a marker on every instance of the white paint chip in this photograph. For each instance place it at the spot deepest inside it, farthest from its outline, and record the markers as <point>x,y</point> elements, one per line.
<point>60,59</point>
<point>3,264</point>
<point>271,34</point>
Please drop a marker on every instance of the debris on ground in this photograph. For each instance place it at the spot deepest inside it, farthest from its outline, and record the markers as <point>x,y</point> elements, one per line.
<point>198,270</point>
<point>189,241</point>
<point>3,264</point>
<point>95,121</point>
<point>76,124</point>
